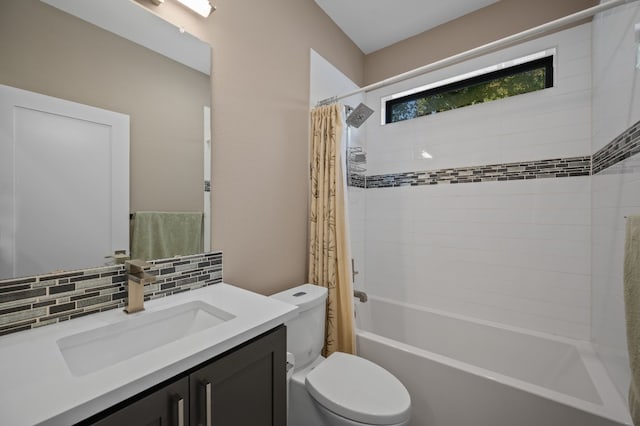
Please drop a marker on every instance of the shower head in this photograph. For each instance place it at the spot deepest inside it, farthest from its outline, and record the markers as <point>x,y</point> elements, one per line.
<point>359,115</point>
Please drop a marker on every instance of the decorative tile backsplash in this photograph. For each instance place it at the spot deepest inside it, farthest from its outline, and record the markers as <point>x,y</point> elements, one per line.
<point>622,147</point>
<point>46,299</point>
<point>554,168</point>
<point>356,180</point>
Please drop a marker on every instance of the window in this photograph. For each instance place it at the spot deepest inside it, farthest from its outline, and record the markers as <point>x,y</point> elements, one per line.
<point>482,86</point>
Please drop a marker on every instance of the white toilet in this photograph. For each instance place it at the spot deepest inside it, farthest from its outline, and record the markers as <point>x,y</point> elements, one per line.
<point>343,389</point>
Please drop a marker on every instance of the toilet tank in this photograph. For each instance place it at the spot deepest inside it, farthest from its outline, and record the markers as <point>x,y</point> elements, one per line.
<point>305,332</point>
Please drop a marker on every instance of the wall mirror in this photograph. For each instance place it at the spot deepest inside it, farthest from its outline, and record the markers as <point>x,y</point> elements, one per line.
<point>119,56</point>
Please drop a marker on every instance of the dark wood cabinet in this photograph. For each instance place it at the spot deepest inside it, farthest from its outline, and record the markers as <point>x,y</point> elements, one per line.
<point>168,405</point>
<point>245,386</point>
<point>248,387</point>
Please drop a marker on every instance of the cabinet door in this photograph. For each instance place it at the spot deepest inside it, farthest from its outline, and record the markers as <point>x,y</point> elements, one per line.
<point>246,387</point>
<point>167,406</point>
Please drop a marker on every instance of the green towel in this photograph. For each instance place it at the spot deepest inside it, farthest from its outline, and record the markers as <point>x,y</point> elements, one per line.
<point>632,310</point>
<point>159,235</point>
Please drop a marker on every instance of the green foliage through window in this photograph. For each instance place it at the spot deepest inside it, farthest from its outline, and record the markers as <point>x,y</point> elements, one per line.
<point>512,81</point>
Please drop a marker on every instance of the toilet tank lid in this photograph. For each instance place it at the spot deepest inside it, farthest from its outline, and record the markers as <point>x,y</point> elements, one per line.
<point>305,296</point>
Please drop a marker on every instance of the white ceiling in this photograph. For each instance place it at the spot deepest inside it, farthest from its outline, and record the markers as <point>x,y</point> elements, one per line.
<point>374,24</point>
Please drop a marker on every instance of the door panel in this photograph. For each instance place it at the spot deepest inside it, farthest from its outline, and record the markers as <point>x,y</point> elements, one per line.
<point>64,184</point>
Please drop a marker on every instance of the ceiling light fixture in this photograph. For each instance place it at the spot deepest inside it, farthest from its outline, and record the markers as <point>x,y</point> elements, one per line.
<point>201,7</point>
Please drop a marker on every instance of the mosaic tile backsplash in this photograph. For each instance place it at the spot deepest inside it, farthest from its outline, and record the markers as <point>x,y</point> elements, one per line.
<point>622,147</point>
<point>47,299</point>
<point>554,168</point>
<point>357,180</point>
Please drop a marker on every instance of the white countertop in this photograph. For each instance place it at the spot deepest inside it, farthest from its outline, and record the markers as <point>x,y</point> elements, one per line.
<point>37,388</point>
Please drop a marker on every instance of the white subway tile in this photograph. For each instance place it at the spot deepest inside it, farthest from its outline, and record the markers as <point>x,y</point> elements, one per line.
<point>516,252</point>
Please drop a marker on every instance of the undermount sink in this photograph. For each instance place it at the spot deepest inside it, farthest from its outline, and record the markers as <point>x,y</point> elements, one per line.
<point>102,347</point>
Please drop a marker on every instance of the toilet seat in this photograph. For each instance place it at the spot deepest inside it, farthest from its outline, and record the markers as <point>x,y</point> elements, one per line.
<point>359,390</point>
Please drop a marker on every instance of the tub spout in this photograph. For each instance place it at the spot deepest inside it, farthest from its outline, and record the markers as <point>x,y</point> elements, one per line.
<point>361,295</point>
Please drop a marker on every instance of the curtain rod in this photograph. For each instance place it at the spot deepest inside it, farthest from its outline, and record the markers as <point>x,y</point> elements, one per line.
<point>486,48</point>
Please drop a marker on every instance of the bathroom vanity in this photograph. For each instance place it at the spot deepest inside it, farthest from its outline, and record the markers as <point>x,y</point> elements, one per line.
<point>215,355</point>
<point>244,386</point>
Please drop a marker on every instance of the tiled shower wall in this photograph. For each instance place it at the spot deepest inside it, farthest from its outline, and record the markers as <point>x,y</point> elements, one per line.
<point>616,189</point>
<point>36,301</point>
<point>511,244</point>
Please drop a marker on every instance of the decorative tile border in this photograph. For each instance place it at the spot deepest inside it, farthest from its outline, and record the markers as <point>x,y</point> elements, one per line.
<point>629,165</point>
<point>32,302</point>
<point>357,180</point>
<point>554,168</point>
<point>621,148</point>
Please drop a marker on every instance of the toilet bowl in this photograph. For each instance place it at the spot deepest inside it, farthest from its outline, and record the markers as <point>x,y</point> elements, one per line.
<point>342,389</point>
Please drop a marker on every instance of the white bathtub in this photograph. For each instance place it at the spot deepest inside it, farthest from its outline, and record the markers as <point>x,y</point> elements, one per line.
<point>463,372</point>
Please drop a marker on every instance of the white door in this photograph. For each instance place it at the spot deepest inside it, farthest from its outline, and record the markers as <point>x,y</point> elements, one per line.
<point>64,184</point>
<point>207,179</point>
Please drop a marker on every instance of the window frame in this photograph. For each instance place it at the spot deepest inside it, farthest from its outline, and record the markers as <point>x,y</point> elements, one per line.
<point>544,59</point>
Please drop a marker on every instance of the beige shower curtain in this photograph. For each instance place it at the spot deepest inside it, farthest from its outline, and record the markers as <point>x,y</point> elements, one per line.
<point>329,258</point>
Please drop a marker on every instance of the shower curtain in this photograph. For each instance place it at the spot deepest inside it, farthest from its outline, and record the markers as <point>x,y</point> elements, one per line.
<point>329,254</point>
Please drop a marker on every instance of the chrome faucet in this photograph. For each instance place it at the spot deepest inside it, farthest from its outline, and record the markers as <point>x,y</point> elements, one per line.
<point>137,279</point>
